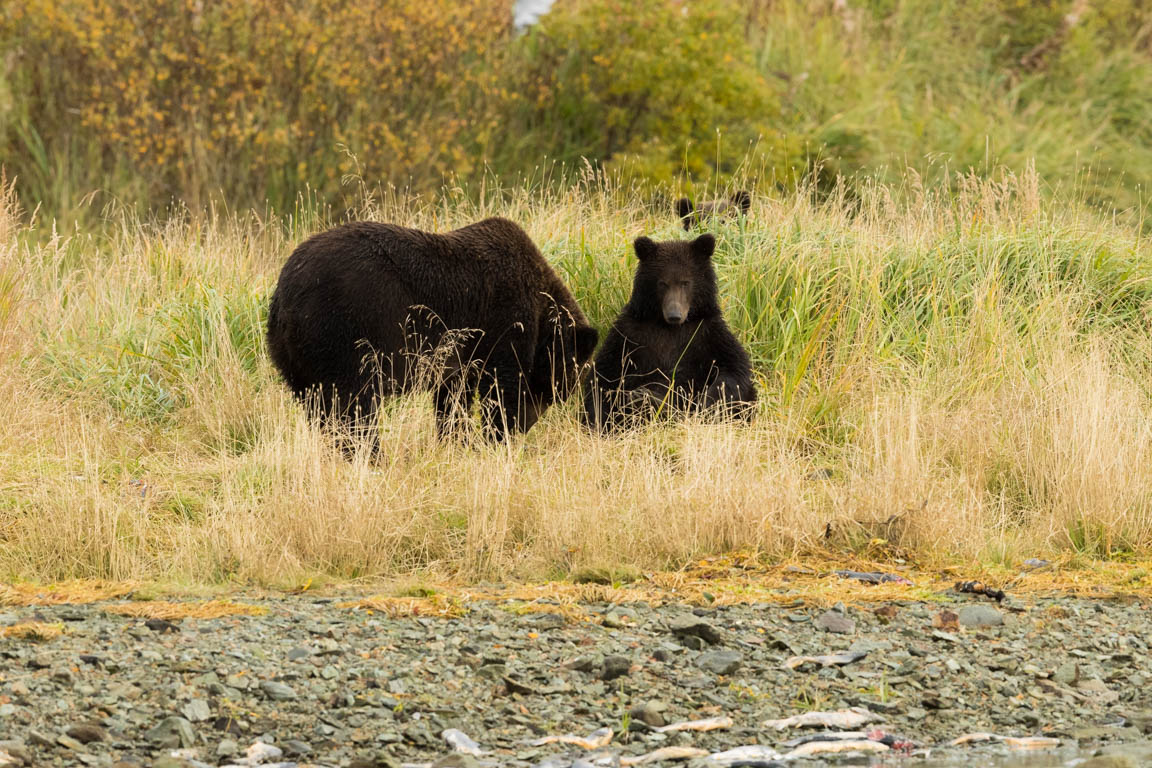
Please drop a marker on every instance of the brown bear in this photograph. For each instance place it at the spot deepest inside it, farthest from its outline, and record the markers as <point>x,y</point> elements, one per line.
<point>367,310</point>
<point>690,215</point>
<point>670,347</point>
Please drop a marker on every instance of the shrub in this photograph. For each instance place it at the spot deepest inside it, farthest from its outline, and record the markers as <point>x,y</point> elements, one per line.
<point>649,82</point>
<point>245,97</point>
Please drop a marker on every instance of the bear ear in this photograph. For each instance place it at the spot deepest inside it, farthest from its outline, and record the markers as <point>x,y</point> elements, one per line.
<point>704,246</point>
<point>645,247</point>
<point>684,208</point>
<point>742,200</point>
<point>586,338</point>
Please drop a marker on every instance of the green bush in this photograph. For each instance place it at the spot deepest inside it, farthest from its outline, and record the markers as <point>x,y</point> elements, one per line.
<point>662,87</point>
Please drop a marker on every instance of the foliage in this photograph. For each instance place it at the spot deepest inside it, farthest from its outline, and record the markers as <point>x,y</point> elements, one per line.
<point>664,86</point>
<point>250,101</point>
<point>250,98</point>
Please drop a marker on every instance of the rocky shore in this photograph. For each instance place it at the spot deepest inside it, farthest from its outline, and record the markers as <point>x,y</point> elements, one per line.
<point>321,681</point>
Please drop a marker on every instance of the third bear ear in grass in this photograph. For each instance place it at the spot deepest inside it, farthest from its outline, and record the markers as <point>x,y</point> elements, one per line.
<point>690,215</point>
<point>670,348</point>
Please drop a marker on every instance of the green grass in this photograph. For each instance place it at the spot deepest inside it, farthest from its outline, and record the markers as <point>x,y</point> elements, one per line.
<point>961,373</point>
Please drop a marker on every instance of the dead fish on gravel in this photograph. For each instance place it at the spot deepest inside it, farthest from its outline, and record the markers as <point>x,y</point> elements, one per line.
<point>832,659</point>
<point>874,577</point>
<point>460,742</point>
<point>1015,742</point>
<point>853,717</point>
<point>837,745</point>
<point>664,753</point>
<point>711,724</point>
<point>972,738</point>
<point>752,756</point>
<point>598,738</point>
<point>825,736</point>
<point>1030,742</point>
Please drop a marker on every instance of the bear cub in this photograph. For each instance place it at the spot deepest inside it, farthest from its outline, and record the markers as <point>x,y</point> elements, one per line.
<point>690,215</point>
<point>670,346</point>
<point>367,310</point>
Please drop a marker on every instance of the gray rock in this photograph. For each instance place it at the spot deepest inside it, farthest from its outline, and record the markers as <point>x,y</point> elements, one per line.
<point>457,760</point>
<point>69,743</point>
<point>649,713</point>
<point>277,691</point>
<point>86,733</point>
<point>196,710</point>
<point>172,762</point>
<point>980,616</point>
<point>688,625</point>
<point>16,749</point>
<point>614,667</point>
<point>173,732</point>
<point>294,748</point>
<point>226,748</point>
<point>720,662</point>
<point>834,621</point>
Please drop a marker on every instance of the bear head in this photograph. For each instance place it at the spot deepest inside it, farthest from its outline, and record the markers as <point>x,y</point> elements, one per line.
<point>739,201</point>
<point>564,347</point>
<point>675,282</point>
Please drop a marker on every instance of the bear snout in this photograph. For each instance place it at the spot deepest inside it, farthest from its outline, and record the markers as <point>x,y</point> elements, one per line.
<point>675,307</point>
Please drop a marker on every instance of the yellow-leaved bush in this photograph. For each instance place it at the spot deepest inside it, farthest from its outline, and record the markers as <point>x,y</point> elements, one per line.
<point>247,98</point>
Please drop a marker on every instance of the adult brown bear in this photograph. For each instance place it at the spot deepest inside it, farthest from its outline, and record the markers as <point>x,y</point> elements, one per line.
<point>670,346</point>
<point>361,309</point>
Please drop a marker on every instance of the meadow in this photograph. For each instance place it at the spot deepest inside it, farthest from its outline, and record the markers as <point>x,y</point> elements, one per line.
<point>949,374</point>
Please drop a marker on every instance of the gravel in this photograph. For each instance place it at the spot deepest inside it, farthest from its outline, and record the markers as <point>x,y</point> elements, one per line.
<point>332,686</point>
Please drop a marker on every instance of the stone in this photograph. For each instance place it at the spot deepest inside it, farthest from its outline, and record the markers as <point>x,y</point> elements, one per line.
<point>974,616</point>
<point>86,733</point>
<point>69,743</point>
<point>720,662</point>
<point>295,748</point>
<point>457,760</point>
<point>277,691</point>
<point>614,667</point>
<point>196,711</point>
<point>649,713</point>
<point>836,622</point>
<point>694,626</point>
<point>1066,674</point>
<point>173,732</point>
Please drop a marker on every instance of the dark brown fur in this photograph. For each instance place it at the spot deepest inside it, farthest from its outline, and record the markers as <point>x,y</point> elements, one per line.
<point>358,309</point>
<point>670,345</point>
<point>690,215</point>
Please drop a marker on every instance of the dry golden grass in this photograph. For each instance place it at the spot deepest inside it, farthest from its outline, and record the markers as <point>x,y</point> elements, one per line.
<point>36,631</point>
<point>161,609</point>
<point>438,606</point>
<point>958,379</point>
<point>72,592</point>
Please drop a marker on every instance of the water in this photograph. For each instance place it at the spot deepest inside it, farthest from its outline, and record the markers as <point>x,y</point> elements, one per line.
<point>982,757</point>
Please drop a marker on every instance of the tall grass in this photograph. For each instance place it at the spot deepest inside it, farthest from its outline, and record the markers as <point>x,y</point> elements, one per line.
<point>948,373</point>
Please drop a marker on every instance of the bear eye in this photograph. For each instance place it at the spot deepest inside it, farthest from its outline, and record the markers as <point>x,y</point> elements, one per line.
<point>663,284</point>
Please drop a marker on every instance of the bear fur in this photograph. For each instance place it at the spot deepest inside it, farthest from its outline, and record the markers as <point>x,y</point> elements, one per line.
<point>690,215</point>
<point>367,310</point>
<point>670,347</point>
